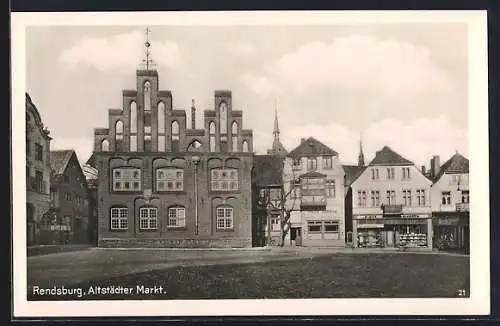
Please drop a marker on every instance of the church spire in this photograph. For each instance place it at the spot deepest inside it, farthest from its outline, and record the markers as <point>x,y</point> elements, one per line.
<point>148,62</point>
<point>361,156</point>
<point>276,130</point>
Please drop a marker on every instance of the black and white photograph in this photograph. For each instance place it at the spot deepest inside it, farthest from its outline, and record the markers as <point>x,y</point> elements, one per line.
<point>231,160</point>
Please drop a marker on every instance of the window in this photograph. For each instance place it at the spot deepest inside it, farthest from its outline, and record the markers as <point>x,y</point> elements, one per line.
<point>275,194</point>
<point>330,188</point>
<point>175,136</point>
<point>119,136</point>
<point>169,179</point>
<point>212,136</point>
<point>331,226</point>
<point>375,195</point>
<point>68,196</point>
<point>105,145</point>
<point>147,96</point>
<point>391,197</point>
<point>223,118</point>
<point>327,162</point>
<point>275,223</point>
<point>456,179</point>
<point>40,186</point>
<point>361,198</point>
<point>126,179</point>
<point>465,196</point>
<point>312,163</point>
<point>446,198</point>
<point>244,144</point>
<point>133,117</point>
<point>407,197</point>
<point>148,218</point>
<point>224,180</point>
<point>234,135</point>
<point>119,218</point>
<point>176,217</point>
<point>297,164</point>
<point>314,226</point>
<point>161,127</point>
<point>38,152</point>
<point>390,173</point>
<point>225,218</point>
<point>406,173</point>
<point>375,175</point>
<point>133,143</point>
<point>421,197</point>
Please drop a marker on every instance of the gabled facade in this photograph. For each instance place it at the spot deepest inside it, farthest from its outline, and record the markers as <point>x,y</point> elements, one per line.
<point>391,204</point>
<point>163,183</point>
<point>69,218</point>
<point>450,203</point>
<point>37,173</point>
<point>314,178</point>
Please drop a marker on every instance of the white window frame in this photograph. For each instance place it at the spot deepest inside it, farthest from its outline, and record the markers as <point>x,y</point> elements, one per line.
<point>421,197</point>
<point>148,218</point>
<point>330,188</point>
<point>407,197</point>
<point>126,175</point>
<point>176,217</point>
<point>446,195</point>
<point>172,175</point>
<point>221,176</point>
<point>225,214</point>
<point>327,162</point>
<point>406,173</point>
<point>120,216</point>
<point>361,198</point>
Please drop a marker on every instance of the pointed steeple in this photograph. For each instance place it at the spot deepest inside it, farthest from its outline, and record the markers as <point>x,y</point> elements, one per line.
<point>361,156</point>
<point>276,130</point>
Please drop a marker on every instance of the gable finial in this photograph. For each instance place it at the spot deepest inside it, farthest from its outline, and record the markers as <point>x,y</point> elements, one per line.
<point>147,44</point>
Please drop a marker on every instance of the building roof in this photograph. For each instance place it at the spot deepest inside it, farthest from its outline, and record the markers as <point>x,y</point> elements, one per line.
<point>267,170</point>
<point>386,156</point>
<point>312,147</point>
<point>59,160</point>
<point>312,174</point>
<point>456,164</point>
<point>352,172</point>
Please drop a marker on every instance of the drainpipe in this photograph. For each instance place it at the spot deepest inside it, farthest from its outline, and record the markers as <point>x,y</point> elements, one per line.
<point>196,161</point>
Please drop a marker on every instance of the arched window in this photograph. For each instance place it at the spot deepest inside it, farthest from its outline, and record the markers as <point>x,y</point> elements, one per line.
<point>176,217</point>
<point>234,136</point>
<point>147,96</point>
<point>119,136</point>
<point>212,136</point>
<point>148,218</point>
<point>161,127</point>
<point>105,145</point>
<point>119,218</point>
<point>175,136</point>
<point>245,146</point>
<point>223,118</point>
<point>225,217</point>
<point>133,117</point>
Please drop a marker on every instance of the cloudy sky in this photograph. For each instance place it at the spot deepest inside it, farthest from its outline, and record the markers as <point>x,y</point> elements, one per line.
<point>404,86</point>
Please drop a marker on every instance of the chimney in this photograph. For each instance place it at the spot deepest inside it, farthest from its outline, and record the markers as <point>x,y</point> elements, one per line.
<point>193,115</point>
<point>423,169</point>
<point>302,140</point>
<point>435,165</point>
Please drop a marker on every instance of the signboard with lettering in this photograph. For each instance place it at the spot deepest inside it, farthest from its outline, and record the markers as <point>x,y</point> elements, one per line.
<point>448,221</point>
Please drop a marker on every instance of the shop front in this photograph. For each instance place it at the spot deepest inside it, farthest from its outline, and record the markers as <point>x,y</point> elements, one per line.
<point>451,231</point>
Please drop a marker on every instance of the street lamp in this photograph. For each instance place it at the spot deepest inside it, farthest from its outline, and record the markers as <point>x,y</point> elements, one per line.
<point>196,161</point>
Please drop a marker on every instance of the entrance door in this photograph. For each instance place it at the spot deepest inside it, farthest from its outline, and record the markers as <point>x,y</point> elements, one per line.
<point>298,237</point>
<point>389,238</point>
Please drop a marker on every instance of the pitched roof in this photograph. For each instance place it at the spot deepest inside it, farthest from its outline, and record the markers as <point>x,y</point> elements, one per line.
<point>267,170</point>
<point>386,156</point>
<point>312,174</point>
<point>312,147</point>
<point>59,160</point>
<point>456,164</point>
<point>352,172</point>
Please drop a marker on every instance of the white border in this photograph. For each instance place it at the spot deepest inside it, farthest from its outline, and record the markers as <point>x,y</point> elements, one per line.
<point>477,304</point>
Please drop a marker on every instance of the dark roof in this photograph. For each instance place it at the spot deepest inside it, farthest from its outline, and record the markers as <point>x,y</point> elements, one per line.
<point>312,174</point>
<point>312,147</point>
<point>59,160</point>
<point>456,164</point>
<point>267,170</point>
<point>352,172</point>
<point>386,156</point>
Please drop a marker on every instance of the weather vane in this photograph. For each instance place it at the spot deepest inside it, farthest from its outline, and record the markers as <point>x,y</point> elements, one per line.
<point>147,44</point>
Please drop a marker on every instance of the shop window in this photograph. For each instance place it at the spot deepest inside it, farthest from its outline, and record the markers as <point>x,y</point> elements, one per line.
<point>314,226</point>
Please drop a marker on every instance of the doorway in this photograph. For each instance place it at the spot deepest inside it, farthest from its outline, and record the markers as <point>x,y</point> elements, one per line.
<point>296,236</point>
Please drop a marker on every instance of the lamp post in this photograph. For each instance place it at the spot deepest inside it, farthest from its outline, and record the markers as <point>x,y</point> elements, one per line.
<point>196,161</point>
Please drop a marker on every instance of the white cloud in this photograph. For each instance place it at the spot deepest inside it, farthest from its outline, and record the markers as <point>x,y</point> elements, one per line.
<point>117,52</point>
<point>418,140</point>
<point>82,146</point>
<point>390,67</point>
<point>257,84</point>
<point>241,49</point>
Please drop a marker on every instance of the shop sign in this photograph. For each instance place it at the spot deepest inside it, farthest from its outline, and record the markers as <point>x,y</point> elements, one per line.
<point>448,221</point>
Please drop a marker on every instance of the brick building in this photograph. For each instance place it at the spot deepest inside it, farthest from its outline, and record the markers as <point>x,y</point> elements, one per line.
<point>91,175</point>
<point>37,173</point>
<point>165,184</point>
<point>70,207</point>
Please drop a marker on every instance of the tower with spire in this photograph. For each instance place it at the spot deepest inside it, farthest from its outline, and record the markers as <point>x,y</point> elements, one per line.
<point>277,148</point>
<point>361,156</point>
